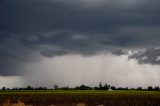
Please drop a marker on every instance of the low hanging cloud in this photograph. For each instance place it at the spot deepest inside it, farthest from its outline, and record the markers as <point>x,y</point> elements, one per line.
<point>120,52</point>
<point>17,49</point>
<point>147,56</point>
<point>52,53</point>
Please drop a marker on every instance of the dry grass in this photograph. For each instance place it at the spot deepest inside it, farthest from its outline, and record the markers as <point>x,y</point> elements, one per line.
<point>115,98</point>
<point>20,103</point>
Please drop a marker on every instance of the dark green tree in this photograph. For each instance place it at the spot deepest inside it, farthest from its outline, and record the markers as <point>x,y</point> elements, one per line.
<point>3,88</point>
<point>56,87</point>
<point>106,87</point>
<point>29,88</point>
<point>140,88</point>
<point>100,86</point>
<point>113,87</point>
<point>83,87</point>
<point>150,88</point>
<point>156,88</point>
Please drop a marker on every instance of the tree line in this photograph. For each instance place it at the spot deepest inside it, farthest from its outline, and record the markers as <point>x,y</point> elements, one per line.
<point>85,87</point>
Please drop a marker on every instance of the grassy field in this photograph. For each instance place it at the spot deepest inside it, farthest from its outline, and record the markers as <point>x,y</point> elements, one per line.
<point>87,97</point>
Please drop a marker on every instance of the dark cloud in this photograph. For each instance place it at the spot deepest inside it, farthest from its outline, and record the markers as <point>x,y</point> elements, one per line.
<point>52,53</point>
<point>40,16</point>
<point>148,56</point>
<point>120,52</point>
<point>14,53</point>
<point>30,29</point>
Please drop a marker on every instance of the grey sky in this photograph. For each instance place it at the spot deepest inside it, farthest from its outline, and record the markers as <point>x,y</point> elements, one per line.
<point>32,31</point>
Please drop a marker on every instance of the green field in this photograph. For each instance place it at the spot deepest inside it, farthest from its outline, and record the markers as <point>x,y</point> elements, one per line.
<point>88,97</point>
<point>78,91</point>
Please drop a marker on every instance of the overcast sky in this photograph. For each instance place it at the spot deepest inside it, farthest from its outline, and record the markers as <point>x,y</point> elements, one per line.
<point>74,42</point>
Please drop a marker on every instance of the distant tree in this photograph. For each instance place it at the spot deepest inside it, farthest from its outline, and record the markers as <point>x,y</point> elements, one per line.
<point>41,88</point>
<point>65,88</point>
<point>106,87</point>
<point>100,86</point>
<point>156,88</point>
<point>113,87</point>
<point>126,88</point>
<point>83,87</point>
<point>3,88</point>
<point>96,88</point>
<point>14,88</point>
<point>44,88</point>
<point>29,88</point>
<point>21,89</point>
<point>140,88</point>
<point>56,87</point>
<point>149,88</point>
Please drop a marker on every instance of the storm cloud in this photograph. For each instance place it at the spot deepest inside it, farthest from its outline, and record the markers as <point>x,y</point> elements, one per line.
<point>147,56</point>
<point>31,30</point>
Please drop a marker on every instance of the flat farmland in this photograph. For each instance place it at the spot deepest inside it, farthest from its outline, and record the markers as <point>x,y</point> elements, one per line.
<point>83,97</point>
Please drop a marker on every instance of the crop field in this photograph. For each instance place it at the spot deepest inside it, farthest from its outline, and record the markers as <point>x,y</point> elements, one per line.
<point>79,98</point>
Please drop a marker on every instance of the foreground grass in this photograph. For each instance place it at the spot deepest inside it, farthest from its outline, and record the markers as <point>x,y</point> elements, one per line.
<point>88,97</point>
